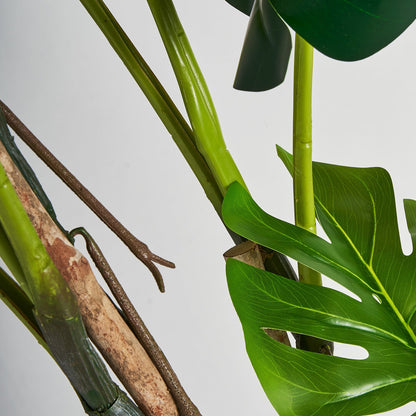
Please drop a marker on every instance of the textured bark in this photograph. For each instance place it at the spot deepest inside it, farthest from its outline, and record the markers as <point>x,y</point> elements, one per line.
<point>105,327</point>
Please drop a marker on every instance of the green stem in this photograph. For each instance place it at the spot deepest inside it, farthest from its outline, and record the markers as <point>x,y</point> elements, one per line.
<point>195,94</point>
<point>302,148</point>
<point>157,96</point>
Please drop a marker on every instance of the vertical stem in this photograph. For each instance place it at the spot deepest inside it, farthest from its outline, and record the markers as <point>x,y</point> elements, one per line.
<point>302,171</point>
<point>302,148</point>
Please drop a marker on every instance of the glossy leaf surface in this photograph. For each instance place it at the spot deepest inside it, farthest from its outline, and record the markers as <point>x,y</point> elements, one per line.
<point>356,208</point>
<point>344,29</point>
<point>266,50</point>
<point>341,29</point>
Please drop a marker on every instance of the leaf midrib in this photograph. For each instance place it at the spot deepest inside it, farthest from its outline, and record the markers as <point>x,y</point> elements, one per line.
<point>377,330</point>
<point>378,387</point>
<point>366,12</point>
<point>319,254</point>
<point>369,267</point>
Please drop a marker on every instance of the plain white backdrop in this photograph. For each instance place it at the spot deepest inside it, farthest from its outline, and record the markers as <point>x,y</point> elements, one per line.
<point>60,76</point>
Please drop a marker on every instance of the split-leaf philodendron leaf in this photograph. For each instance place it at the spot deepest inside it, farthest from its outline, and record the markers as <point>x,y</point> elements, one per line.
<point>356,208</point>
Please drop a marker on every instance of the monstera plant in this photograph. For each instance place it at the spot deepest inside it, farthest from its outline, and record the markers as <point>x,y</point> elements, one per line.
<point>356,208</point>
<point>290,321</point>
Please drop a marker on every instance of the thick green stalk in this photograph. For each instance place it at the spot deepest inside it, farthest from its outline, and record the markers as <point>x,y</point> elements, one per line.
<point>157,96</point>
<point>302,171</point>
<point>302,148</point>
<point>39,272</point>
<point>195,94</point>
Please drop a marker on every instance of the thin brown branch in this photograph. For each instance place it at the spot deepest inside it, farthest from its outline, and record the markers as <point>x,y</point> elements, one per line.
<point>106,328</point>
<point>138,248</point>
<point>183,402</point>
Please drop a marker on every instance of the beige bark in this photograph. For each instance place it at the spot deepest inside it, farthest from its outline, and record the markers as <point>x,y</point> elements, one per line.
<point>106,328</point>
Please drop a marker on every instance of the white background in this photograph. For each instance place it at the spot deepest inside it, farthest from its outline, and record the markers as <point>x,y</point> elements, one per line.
<point>59,75</point>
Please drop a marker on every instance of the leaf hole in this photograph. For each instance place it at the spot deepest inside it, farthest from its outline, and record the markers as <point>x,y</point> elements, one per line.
<point>353,352</point>
<point>320,231</point>
<point>281,336</point>
<point>376,298</point>
<point>327,282</point>
<point>404,235</point>
<point>349,351</point>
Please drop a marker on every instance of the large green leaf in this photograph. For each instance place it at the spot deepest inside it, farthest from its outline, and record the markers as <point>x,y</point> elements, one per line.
<point>347,29</point>
<point>266,50</point>
<point>356,208</point>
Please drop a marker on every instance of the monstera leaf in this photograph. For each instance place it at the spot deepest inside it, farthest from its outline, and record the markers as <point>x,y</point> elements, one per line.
<point>341,29</point>
<point>266,50</point>
<point>356,208</point>
<point>347,30</point>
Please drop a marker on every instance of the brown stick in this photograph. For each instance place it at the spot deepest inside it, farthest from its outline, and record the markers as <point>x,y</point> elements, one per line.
<point>106,328</point>
<point>138,248</point>
<point>183,402</point>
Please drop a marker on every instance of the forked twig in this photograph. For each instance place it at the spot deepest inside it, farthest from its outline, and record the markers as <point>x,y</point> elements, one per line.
<point>183,402</point>
<point>138,248</point>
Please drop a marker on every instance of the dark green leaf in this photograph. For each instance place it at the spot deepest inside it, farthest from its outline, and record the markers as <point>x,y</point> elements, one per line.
<point>356,208</point>
<point>344,29</point>
<point>266,50</point>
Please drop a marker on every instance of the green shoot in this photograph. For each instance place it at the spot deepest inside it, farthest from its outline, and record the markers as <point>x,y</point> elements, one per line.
<point>302,148</point>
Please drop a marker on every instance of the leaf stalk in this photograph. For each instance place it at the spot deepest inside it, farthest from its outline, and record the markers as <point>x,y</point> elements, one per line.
<point>195,94</point>
<point>302,148</point>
